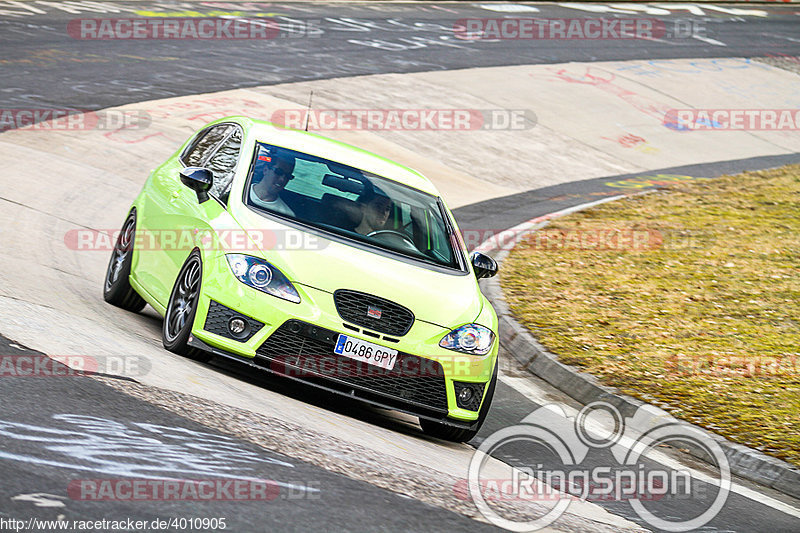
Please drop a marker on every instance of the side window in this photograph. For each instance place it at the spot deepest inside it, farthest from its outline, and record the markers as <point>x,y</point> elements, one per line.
<point>223,164</point>
<point>204,144</point>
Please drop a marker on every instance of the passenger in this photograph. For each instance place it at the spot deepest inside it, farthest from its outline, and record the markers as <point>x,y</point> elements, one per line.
<point>375,208</point>
<point>266,192</point>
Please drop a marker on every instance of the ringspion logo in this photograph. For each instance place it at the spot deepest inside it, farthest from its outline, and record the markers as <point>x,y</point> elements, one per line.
<point>568,448</point>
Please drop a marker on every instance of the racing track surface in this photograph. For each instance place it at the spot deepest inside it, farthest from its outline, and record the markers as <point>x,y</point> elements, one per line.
<point>44,67</point>
<point>88,431</point>
<point>47,69</point>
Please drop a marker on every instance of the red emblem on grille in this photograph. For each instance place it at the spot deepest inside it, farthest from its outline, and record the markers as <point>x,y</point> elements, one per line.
<point>373,312</point>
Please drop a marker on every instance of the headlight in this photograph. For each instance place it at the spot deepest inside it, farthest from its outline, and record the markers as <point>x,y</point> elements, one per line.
<point>470,338</point>
<point>260,275</point>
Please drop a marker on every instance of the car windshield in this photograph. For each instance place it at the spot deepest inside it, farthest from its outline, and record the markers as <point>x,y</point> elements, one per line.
<point>352,203</point>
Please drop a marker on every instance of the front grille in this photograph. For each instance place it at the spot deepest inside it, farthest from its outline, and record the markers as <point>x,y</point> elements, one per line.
<point>355,307</point>
<point>301,350</point>
<point>217,322</point>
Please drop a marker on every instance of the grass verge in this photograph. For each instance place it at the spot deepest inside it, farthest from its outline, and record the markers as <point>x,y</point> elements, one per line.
<point>688,298</point>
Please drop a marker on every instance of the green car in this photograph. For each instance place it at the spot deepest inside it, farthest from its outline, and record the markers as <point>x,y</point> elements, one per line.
<point>317,261</point>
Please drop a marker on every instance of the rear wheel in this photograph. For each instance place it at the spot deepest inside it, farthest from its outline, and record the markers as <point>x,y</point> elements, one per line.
<point>456,434</point>
<point>182,308</point>
<point>117,288</point>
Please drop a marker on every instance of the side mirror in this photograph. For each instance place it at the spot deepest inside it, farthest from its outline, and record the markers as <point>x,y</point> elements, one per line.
<point>198,179</point>
<point>484,266</point>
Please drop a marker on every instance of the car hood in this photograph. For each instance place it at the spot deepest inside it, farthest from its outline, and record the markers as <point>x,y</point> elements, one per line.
<point>307,258</point>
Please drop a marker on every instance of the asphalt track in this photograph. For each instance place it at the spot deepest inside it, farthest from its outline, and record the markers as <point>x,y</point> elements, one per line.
<point>43,69</point>
<point>80,429</point>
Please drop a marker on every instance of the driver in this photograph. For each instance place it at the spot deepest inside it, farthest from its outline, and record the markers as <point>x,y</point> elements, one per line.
<point>266,193</point>
<point>375,208</point>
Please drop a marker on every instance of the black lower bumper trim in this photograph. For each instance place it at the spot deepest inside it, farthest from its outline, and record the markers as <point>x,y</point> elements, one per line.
<point>378,401</point>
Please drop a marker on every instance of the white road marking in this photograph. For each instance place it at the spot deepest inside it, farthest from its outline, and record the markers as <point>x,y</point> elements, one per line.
<point>657,40</point>
<point>40,499</point>
<point>786,38</point>
<point>708,40</point>
<point>508,8</point>
<point>649,10</point>
<point>737,11</point>
<point>135,449</point>
<point>525,387</point>
<point>662,9</point>
<point>594,8</point>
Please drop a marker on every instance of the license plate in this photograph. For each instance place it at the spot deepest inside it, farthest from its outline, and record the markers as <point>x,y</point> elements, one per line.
<point>366,352</point>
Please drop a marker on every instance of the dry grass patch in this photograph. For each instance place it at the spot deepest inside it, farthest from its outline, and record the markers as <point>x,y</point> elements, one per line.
<point>688,298</point>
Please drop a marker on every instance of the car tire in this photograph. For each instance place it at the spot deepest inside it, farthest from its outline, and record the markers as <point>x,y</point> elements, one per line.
<point>456,434</point>
<point>117,288</point>
<point>182,308</point>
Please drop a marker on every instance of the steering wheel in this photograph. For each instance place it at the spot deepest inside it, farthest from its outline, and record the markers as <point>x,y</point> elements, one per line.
<point>403,236</point>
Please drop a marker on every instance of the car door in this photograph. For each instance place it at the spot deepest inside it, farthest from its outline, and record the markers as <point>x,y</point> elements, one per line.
<point>174,217</point>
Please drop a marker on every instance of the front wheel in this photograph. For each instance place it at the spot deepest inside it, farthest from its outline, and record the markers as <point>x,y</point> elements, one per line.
<point>182,308</point>
<point>455,434</point>
<point>117,288</point>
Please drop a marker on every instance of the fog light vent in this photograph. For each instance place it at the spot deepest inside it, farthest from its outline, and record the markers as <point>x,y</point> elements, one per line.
<point>226,322</point>
<point>469,395</point>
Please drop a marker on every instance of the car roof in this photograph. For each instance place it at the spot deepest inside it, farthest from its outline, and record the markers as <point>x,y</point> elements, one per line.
<point>320,146</point>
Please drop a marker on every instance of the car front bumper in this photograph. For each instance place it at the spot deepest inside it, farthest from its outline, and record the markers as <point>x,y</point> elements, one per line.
<point>297,341</point>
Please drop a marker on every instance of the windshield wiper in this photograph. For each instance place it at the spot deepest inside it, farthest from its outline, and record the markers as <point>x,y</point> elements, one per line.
<point>451,233</point>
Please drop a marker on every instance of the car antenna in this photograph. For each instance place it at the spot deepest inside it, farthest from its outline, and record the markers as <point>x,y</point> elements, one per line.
<point>308,113</point>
